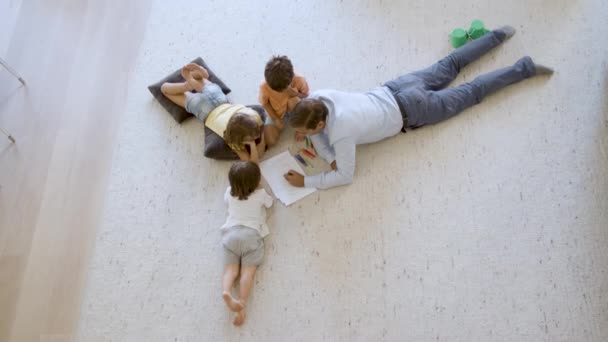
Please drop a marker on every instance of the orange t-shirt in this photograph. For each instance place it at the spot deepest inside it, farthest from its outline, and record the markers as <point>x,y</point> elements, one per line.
<point>278,99</point>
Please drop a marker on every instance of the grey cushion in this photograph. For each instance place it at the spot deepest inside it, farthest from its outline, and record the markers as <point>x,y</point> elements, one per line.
<point>216,147</point>
<point>177,112</point>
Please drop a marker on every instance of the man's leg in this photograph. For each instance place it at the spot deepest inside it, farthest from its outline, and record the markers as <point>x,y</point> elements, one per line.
<point>440,74</point>
<point>446,103</point>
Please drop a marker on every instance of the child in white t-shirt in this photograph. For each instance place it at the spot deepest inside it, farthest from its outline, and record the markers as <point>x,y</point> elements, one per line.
<point>243,233</point>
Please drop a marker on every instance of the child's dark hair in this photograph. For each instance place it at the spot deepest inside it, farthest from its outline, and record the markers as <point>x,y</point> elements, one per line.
<point>239,126</point>
<point>308,113</point>
<point>279,73</point>
<point>244,178</point>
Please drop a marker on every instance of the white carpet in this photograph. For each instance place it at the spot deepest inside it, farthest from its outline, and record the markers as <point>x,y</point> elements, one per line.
<point>489,227</point>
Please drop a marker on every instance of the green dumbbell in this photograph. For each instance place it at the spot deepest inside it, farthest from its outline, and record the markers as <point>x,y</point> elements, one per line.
<point>458,37</point>
<point>477,29</point>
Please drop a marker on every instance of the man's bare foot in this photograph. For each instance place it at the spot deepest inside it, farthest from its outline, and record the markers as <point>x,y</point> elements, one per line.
<point>232,304</point>
<point>239,318</point>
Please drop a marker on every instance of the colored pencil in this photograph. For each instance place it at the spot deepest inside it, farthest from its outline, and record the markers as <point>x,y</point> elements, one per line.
<point>308,153</point>
<point>308,160</point>
<point>300,159</point>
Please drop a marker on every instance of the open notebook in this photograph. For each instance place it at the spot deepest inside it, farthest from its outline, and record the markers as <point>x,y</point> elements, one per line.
<point>273,170</point>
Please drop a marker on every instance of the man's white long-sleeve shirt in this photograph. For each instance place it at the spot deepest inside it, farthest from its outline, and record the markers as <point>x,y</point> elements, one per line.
<point>353,119</point>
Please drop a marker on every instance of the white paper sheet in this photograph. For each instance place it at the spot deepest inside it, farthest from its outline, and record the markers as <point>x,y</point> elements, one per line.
<point>273,170</point>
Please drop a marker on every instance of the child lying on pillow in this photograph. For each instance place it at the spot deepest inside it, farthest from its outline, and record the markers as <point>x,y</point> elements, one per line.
<point>241,127</point>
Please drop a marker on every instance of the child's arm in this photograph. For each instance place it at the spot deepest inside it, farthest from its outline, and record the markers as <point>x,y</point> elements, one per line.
<point>270,111</point>
<point>244,156</point>
<point>227,195</point>
<point>261,147</point>
<point>301,86</point>
<point>253,154</point>
<point>268,200</point>
<point>265,102</point>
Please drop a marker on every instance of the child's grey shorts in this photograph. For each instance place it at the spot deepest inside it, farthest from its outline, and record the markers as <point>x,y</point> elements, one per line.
<point>243,245</point>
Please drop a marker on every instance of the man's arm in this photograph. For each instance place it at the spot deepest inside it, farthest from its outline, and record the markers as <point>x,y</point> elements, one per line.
<point>344,168</point>
<point>321,144</point>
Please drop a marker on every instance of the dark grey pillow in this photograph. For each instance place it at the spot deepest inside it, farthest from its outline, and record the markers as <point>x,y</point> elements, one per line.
<point>177,112</point>
<point>216,147</point>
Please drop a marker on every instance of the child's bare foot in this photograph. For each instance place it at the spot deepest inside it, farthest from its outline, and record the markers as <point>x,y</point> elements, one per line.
<point>239,318</point>
<point>232,304</point>
<point>185,72</point>
<point>198,71</point>
<point>197,75</point>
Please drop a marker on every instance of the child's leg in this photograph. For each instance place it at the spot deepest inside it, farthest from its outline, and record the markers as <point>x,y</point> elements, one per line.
<point>440,74</point>
<point>176,92</point>
<point>246,282</point>
<point>271,134</point>
<point>230,273</point>
<point>245,285</point>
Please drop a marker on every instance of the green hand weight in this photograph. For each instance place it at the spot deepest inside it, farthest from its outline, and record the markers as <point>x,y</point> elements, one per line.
<point>458,37</point>
<point>477,29</point>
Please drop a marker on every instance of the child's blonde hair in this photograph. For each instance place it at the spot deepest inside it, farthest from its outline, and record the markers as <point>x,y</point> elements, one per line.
<point>240,126</point>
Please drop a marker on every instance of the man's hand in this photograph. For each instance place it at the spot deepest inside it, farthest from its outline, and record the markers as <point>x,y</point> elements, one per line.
<point>279,123</point>
<point>294,178</point>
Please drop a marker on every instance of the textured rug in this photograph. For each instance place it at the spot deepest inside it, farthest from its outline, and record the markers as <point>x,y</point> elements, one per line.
<point>490,226</point>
